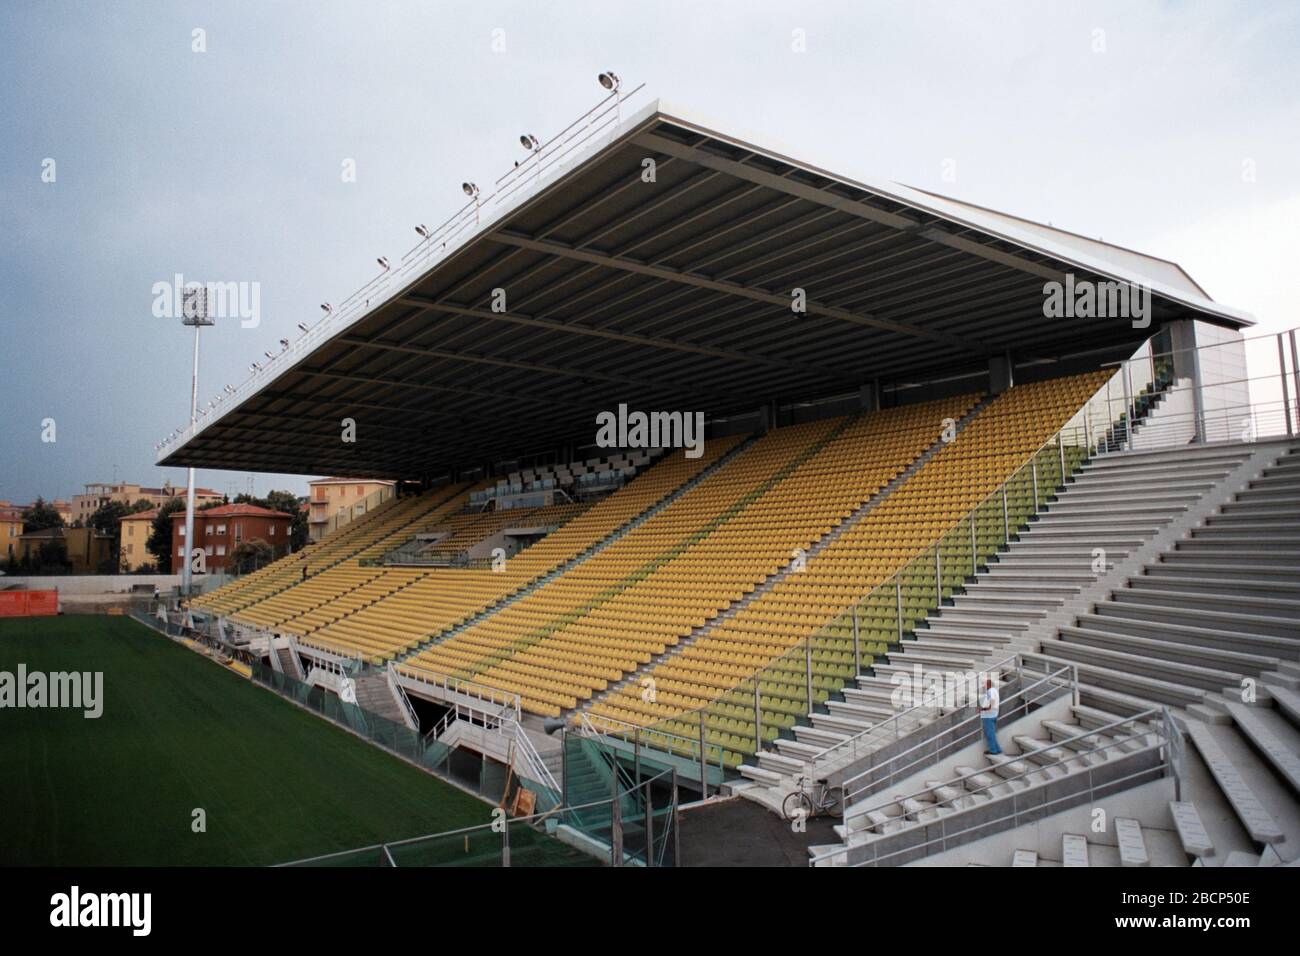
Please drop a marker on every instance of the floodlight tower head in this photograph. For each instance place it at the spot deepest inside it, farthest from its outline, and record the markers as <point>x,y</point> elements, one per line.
<point>610,81</point>
<point>194,307</point>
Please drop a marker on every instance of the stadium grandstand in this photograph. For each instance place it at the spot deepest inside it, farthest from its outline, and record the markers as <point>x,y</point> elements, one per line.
<point>915,478</point>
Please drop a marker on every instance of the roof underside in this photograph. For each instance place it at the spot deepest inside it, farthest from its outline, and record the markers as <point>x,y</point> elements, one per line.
<point>668,295</point>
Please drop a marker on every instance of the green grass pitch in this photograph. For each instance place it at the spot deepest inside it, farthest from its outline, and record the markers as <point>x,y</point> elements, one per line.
<point>180,732</point>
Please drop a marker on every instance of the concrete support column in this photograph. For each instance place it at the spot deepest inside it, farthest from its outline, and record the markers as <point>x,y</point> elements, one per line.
<point>1001,373</point>
<point>1187,366</point>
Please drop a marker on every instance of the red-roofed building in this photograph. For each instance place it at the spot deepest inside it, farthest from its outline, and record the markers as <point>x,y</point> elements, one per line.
<point>219,531</point>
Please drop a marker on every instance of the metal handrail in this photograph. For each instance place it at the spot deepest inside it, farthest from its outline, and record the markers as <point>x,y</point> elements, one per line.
<point>533,759</point>
<point>1059,745</point>
<point>1013,812</point>
<point>390,674</point>
<point>469,688</point>
<point>1166,725</point>
<point>1023,691</point>
<point>895,719</point>
<point>592,730</point>
<point>530,819</point>
<point>461,831</point>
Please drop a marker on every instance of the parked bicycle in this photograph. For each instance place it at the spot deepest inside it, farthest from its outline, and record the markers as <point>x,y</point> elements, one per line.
<point>817,800</point>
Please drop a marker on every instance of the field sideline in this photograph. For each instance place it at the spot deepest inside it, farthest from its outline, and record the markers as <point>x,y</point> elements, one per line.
<point>179,732</point>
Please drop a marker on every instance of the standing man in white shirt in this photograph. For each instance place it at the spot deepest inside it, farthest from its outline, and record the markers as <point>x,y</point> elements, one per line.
<point>989,717</point>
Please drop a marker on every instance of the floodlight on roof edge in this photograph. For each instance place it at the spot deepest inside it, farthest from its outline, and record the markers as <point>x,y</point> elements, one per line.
<point>471,190</point>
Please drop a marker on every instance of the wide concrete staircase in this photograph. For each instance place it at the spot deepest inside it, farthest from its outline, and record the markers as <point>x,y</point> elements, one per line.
<point>1109,508</point>
<point>376,696</point>
<point>1112,506</point>
<point>1220,607</point>
<point>1210,628</point>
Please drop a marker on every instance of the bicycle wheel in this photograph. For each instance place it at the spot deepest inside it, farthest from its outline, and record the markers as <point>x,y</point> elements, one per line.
<point>833,802</point>
<point>796,802</point>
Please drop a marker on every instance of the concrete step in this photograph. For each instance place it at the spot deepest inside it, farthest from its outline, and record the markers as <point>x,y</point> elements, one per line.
<point>1167,650</point>
<point>1191,831</point>
<point>929,659</point>
<point>1026,603</point>
<point>1147,463</point>
<point>1145,668</point>
<point>1107,677</point>
<point>1074,574</point>
<point>1200,554</point>
<point>1259,823</point>
<point>1231,622</point>
<point>1074,850</point>
<point>998,620</point>
<point>818,736</point>
<point>1029,551</point>
<point>1283,546</point>
<point>1287,701</point>
<point>759,775</point>
<point>973,649</point>
<point>1225,571</point>
<point>1055,593</point>
<point>1261,644</point>
<point>1161,578</point>
<point>1223,599</point>
<point>1229,534</point>
<point>1276,739</point>
<point>1132,847</point>
<point>797,750</point>
<point>1175,490</point>
<point>1047,536</point>
<point>1253,513</point>
<point>1101,522</point>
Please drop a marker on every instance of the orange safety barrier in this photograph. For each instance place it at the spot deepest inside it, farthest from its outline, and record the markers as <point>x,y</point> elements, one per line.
<point>28,603</point>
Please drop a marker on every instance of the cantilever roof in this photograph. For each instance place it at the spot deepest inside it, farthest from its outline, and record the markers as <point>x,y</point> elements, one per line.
<point>671,294</point>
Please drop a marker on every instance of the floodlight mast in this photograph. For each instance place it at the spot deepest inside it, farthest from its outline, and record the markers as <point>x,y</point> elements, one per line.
<point>194,311</point>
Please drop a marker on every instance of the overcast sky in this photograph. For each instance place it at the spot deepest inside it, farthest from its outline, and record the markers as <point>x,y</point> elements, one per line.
<point>1134,122</point>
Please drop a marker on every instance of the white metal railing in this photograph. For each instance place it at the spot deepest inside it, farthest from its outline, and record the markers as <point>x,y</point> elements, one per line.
<point>548,159</point>
<point>531,759</point>
<point>852,749</point>
<point>1239,390</point>
<point>451,690</point>
<point>332,652</point>
<point>919,754</point>
<point>390,674</point>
